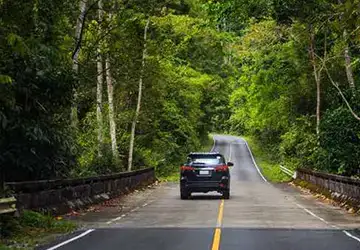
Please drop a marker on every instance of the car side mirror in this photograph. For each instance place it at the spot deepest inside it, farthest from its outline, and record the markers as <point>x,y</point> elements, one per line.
<point>230,164</point>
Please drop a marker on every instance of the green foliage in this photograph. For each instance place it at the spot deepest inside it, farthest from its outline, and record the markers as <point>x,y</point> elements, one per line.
<point>274,94</point>
<point>35,140</point>
<point>339,141</point>
<point>269,166</point>
<point>240,66</point>
<point>261,102</point>
<point>30,229</point>
<point>185,85</point>
<point>298,146</point>
<point>33,219</point>
<point>8,226</point>
<point>5,79</point>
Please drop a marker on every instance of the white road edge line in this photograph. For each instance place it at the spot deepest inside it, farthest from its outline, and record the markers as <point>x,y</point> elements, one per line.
<point>253,159</point>
<point>71,240</point>
<point>123,215</point>
<point>214,144</point>
<point>351,236</point>
<point>314,215</point>
<point>134,209</point>
<point>229,152</point>
<point>328,223</point>
<point>116,219</point>
<point>300,206</point>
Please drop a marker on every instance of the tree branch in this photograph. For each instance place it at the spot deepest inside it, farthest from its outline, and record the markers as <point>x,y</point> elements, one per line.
<point>341,94</point>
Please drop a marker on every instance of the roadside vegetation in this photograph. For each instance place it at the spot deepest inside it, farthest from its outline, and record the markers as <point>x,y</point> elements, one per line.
<point>174,174</point>
<point>207,144</point>
<point>296,89</point>
<point>31,229</point>
<point>268,164</point>
<point>91,87</point>
<point>97,87</point>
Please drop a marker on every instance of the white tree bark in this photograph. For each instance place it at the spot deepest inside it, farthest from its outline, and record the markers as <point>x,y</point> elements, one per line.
<point>99,89</point>
<point>75,56</point>
<point>138,106</point>
<point>317,75</point>
<point>349,72</point>
<point>110,89</point>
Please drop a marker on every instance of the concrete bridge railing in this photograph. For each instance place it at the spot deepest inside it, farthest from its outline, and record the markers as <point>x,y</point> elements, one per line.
<point>60,196</point>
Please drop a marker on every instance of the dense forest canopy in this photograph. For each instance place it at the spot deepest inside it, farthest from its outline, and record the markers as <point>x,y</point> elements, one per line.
<point>92,87</point>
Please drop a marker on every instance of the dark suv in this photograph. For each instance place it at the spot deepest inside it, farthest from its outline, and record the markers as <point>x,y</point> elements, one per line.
<point>204,172</point>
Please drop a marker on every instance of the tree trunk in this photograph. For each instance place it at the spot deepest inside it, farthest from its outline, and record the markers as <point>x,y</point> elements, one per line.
<point>317,75</point>
<point>110,90</point>
<point>318,104</point>
<point>137,112</point>
<point>99,89</point>
<point>36,15</point>
<point>75,57</point>
<point>349,72</point>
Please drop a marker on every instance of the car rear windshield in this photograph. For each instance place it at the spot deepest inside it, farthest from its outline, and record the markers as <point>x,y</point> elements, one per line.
<point>206,159</point>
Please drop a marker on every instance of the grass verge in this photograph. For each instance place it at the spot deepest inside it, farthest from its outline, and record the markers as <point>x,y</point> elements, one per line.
<point>30,230</point>
<point>270,169</point>
<point>172,177</point>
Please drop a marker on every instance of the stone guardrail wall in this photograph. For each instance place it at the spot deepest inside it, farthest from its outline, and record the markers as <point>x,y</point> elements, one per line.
<point>340,187</point>
<point>61,196</point>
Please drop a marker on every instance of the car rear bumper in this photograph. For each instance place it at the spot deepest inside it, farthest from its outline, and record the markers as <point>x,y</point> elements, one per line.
<point>205,186</point>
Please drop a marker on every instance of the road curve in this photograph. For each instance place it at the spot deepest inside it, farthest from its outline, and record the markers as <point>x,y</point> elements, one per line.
<point>258,216</point>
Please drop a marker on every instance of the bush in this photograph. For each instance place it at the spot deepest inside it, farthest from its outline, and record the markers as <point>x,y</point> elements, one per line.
<point>339,142</point>
<point>299,144</point>
<point>30,222</point>
<point>8,226</point>
<point>34,219</point>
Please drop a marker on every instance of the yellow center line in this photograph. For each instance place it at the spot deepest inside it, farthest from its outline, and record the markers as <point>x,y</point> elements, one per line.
<point>217,234</point>
<point>220,214</point>
<point>216,241</point>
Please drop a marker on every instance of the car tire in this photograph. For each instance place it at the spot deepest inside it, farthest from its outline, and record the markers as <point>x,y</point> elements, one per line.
<point>226,194</point>
<point>184,194</point>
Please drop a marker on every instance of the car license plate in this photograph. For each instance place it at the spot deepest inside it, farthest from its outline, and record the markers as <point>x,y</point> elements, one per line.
<point>204,172</point>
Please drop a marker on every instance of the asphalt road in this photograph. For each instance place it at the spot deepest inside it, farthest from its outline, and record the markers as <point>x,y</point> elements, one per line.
<point>258,216</point>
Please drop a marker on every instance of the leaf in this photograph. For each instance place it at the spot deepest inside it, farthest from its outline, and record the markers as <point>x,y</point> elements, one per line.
<point>4,79</point>
<point>17,43</point>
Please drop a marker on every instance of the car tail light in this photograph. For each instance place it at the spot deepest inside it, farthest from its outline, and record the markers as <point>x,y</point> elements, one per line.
<point>222,168</point>
<point>184,168</point>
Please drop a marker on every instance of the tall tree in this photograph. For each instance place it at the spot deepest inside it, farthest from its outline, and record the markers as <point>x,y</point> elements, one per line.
<point>317,75</point>
<point>100,82</point>
<point>347,57</point>
<point>110,92</point>
<point>112,123</point>
<point>138,106</point>
<point>75,56</point>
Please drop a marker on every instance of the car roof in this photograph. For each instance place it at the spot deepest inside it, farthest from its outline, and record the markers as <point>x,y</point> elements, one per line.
<point>205,153</point>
